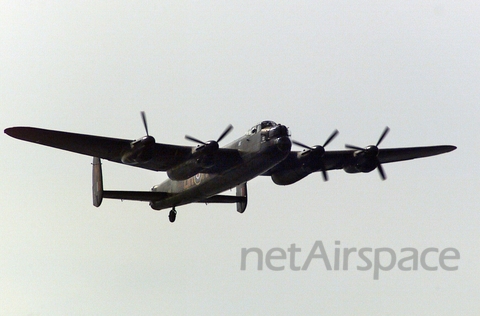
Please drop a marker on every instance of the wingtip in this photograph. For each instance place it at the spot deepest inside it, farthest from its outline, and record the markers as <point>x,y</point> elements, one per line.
<point>14,132</point>
<point>451,148</point>
<point>9,131</point>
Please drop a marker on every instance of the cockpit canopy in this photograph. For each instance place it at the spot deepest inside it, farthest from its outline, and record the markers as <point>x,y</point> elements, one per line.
<point>265,124</point>
<point>257,128</point>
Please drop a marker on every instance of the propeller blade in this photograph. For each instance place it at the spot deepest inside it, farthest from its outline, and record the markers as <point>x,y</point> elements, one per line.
<point>193,139</point>
<point>196,140</point>
<point>144,118</point>
<point>354,147</point>
<point>334,134</point>
<point>385,132</point>
<point>325,174</point>
<point>381,171</point>
<point>302,145</point>
<point>225,132</point>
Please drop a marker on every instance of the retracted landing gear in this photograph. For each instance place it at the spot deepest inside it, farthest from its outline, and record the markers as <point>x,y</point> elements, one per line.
<point>172,215</point>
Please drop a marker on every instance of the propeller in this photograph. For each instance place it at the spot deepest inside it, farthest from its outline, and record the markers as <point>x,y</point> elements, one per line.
<point>372,152</point>
<point>318,152</point>
<point>144,118</point>
<point>147,140</point>
<point>141,150</point>
<point>213,144</point>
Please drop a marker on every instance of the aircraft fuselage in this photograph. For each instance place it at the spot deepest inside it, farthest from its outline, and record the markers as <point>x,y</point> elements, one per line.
<point>264,146</point>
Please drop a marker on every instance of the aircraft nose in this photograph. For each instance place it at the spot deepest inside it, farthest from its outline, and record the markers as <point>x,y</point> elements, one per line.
<point>278,131</point>
<point>283,143</point>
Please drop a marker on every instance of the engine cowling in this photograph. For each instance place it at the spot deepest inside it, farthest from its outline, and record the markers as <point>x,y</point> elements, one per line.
<point>364,161</point>
<point>309,161</point>
<point>359,168</point>
<point>289,176</point>
<point>185,170</point>
<point>141,150</point>
<point>203,157</point>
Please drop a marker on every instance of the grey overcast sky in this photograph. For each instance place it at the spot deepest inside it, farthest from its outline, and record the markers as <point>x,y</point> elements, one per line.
<point>195,67</point>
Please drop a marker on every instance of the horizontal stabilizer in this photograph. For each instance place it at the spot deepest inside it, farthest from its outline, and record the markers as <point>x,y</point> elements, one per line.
<point>225,199</point>
<point>146,196</point>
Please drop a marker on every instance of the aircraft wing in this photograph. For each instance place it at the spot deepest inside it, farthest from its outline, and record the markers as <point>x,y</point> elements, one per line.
<point>294,167</point>
<point>164,156</point>
<point>342,158</point>
<point>401,154</point>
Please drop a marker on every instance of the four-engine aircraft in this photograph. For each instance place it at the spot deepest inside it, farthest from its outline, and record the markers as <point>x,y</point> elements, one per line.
<point>200,173</point>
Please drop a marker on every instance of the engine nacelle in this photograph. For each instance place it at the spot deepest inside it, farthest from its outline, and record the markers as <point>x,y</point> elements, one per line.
<point>185,170</point>
<point>362,164</point>
<point>203,157</point>
<point>309,161</point>
<point>206,161</point>
<point>141,150</point>
<point>288,177</point>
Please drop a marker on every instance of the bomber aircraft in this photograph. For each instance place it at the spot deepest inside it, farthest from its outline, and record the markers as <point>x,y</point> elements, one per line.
<point>200,173</point>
